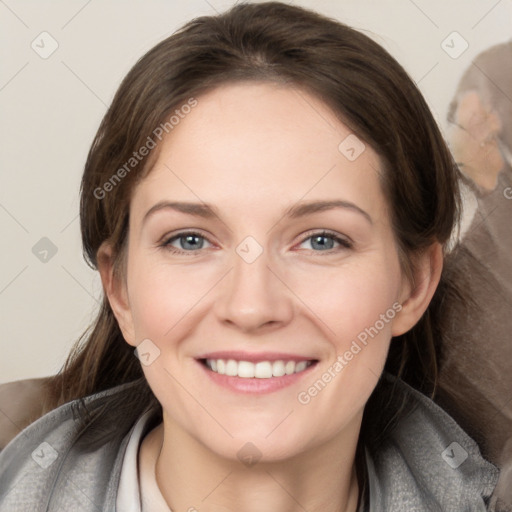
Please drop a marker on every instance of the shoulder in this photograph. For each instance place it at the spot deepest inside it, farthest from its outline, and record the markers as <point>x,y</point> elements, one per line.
<point>21,403</point>
<point>71,457</point>
<point>426,461</point>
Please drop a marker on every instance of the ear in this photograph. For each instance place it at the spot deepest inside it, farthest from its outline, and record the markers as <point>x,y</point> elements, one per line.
<point>416,296</point>
<point>116,291</point>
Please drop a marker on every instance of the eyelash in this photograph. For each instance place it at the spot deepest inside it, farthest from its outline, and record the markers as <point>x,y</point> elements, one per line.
<point>343,242</point>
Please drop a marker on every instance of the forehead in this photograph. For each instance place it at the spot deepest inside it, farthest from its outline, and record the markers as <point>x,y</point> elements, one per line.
<point>261,145</point>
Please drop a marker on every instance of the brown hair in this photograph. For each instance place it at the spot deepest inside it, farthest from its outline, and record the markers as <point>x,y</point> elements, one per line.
<point>354,76</point>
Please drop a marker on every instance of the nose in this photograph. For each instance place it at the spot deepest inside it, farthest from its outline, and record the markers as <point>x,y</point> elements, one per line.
<point>253,297</point>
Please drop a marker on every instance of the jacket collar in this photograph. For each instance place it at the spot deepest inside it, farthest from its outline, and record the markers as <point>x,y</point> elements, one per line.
<point>426,462</point>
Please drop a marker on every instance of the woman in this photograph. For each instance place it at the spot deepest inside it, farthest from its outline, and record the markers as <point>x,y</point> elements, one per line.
<point>267,201</point>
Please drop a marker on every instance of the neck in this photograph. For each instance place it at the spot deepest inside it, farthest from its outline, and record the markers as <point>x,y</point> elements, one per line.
<point>191,477</point>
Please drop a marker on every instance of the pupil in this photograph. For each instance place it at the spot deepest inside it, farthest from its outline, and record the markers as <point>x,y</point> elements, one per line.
<point>322,242</point>
<point>190,242</point>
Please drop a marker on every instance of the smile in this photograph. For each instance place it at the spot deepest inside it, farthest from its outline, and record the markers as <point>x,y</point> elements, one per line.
<point>259,370</point>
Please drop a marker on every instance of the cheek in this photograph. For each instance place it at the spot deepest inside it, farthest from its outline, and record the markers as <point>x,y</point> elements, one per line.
<point>356,311</point>
<point>351,298</point>
<point>162,295</point>
<point>164,302</point>
<point>152,304</point>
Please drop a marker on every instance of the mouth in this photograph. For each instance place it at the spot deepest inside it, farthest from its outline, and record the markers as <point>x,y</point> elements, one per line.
<point>243,372</point>
<point>256,370</point>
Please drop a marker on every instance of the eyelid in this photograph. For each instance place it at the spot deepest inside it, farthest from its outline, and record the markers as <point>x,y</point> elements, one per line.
<point>182,232</point>
<point>344,241</point>
<point>166,240</point>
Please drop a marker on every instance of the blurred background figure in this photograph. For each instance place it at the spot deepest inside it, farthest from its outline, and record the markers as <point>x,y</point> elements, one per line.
<point>476,374</point>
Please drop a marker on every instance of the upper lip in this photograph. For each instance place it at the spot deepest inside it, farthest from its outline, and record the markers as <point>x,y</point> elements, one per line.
<point>255,357</point>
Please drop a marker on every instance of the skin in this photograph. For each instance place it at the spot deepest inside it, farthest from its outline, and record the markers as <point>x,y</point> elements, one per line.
<point>252,150</point>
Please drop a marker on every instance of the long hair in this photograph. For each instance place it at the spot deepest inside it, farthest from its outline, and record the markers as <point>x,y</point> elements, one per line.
<point>362,84</point>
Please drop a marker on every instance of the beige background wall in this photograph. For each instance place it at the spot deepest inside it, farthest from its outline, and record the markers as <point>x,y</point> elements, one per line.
<point>51,105</point>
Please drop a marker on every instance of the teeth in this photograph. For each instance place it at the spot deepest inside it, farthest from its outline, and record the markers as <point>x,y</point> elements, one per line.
<point>261,370</point>
<point>232,368</point>
<point>290,367</point>
<point>278,369</point>
<point>245,370</point>
<point>299,367</point>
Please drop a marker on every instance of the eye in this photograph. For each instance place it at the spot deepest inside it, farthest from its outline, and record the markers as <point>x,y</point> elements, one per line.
<point>187,241</point>
<point>191,242</point>
<point>325,241</point>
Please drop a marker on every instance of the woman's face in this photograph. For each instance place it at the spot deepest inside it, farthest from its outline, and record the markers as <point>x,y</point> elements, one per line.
<point>260,245</point>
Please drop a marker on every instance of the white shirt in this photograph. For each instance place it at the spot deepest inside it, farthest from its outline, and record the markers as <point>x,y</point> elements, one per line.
<point>138,490</point>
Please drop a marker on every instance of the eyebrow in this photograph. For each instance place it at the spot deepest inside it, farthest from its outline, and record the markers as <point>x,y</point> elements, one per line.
<point>302,209</point>
<point>207,211</point>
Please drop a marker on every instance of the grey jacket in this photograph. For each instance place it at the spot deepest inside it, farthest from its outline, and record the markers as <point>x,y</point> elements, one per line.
<point>425,463</point>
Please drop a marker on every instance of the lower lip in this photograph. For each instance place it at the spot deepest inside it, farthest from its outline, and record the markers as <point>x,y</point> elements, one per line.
<point>254,385</point>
